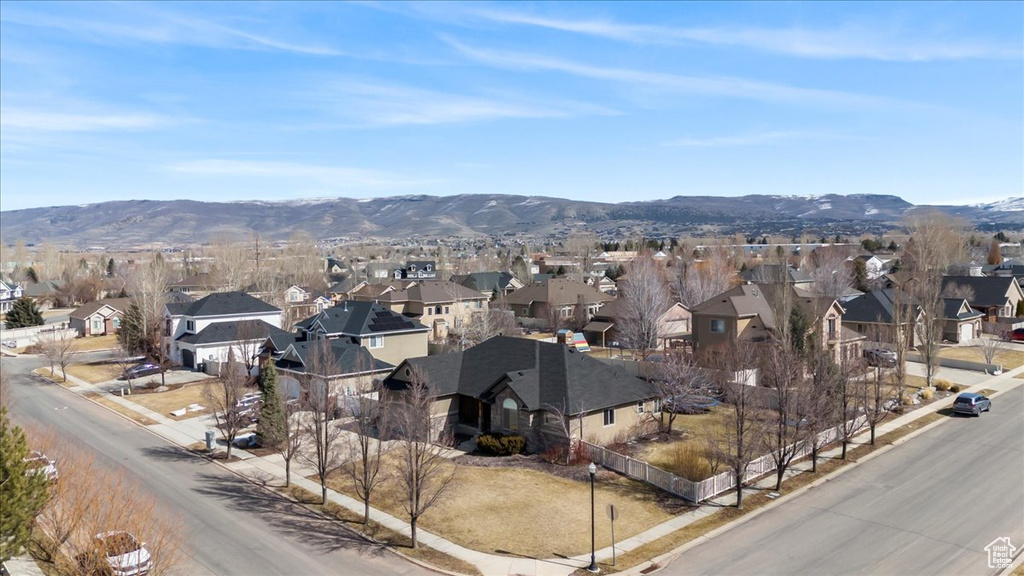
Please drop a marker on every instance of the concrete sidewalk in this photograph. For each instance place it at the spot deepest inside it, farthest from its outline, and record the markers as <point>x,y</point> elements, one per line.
<point>270,470</point>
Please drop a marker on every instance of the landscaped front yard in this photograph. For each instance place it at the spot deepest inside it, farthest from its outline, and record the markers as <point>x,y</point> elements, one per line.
<point>1010,358</point>
<point>164,402</point>
<point>95,373</point>
<point>525,512</point>
<point>88,343</point>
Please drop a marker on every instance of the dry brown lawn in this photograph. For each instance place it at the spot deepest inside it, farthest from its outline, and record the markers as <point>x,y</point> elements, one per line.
<point>96,343</point>
<point>164,402</point>
<point>124,411</point>
<point>526,512</point>
<point>95,373</point>
<point>1010,359</point>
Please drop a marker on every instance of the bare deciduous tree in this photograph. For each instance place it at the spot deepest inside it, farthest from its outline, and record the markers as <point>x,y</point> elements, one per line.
<point>423,472</point>
<point>939,240</point>
<point>830,271</point>
<point>782,371</point>
<point>696,282</point>
<point>580,246</point>
<point>223,396</point>
<point>645,297</point>
<point>368,417</point>
<point>321,403</point>
<point>820,407</point>
<point>58,348</point>
<point>851,398</point>
<point>679,385</point>
<point>738,441</point>
<point>147,285</point>
<point>927,291</point>
<point>489,323</point>
<point>990,348</point>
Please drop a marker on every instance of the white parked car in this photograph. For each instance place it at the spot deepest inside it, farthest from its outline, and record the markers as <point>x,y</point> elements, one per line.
<point>124,553</point>
<point>38,463</point>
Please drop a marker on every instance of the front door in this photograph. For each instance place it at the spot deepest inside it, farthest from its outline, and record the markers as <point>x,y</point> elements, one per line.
<point>485,417</point>
<point>188,359</point>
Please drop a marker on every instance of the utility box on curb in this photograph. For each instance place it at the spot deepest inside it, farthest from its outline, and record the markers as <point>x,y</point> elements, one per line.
<point>209,439</point>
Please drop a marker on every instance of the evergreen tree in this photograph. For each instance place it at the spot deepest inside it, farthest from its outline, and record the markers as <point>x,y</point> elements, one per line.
<point>110,267</point>
<point>860,275</point>
<point>1020,309</point>
<point>24,313</point>
<point>23,493</point>
<point>799,324</point>
<point>893,247</point>
<point>32,275</point>
<point>270,429</point>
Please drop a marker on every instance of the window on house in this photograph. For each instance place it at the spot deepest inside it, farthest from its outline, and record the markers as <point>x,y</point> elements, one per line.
<point>376,342</point>
<point>190,325</point>
<point>511,413</point>
<point>167,327</point>
<point>609,417</point>
<point>447,309</point>
<point>657,405</point>
<point>717,325</point>
<point>832,329</point>
<point>640,407</point>
<point>117,323</point>
<point>97,325</point>
<point>427,311</point>
<point>437,310</point>
<point>526,311</point>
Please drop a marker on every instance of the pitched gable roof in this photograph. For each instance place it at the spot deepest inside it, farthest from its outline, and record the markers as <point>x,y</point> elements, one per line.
<point>224,332</point>
<point>89,308</point>
<point>485,281</point>
<point>541,374</point>
<point>873,306</point>
<point>988,290</point>
<point>558,292</point>
<point>359,318</point>
<point>346,358</point>
<point>223,304</point>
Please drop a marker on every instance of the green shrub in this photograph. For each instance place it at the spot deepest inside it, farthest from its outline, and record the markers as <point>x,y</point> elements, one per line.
<point>954,388</point>
<point>943,385</point>
<point>498,444</point>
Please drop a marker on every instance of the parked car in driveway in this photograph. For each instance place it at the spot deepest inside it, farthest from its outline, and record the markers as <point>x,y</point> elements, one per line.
<point>140,370</point>
<point>39,463</point>
<point>1017,335</point>
<point>972,404</point>
<point>125,555</point>
<point>10,344</point>
<point>880,357</point>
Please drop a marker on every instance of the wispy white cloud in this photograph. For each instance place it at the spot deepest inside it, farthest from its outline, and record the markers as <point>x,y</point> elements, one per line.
<point>849,41</point>
<point>161,27</point>
<point>708,85</point>
<point>387,105</point>
<point>299,173</point>
<point>50,121</point>
<point>747,139</point>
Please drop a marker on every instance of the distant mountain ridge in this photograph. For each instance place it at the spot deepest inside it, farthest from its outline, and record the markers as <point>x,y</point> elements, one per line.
<point>120,224</point>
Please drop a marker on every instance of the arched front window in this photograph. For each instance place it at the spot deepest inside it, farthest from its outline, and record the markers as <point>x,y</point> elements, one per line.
<point>511,412</point>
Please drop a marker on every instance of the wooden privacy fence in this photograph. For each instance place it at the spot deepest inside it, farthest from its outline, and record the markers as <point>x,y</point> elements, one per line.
<point>709,487</point>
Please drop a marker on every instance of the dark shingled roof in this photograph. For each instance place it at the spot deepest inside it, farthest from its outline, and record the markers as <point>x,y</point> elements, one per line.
<point>873,306</point>
<point>988,290</point>
<point>355,318</point>
<point>484,281</point>
<point>348,358</point>
<point>540,373</point>
<point>222,304</point>
<point>222,332</point>
<point>90,308</point>
<point>951,309</point>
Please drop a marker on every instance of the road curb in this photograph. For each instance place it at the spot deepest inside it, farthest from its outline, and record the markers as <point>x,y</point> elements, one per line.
<point>222,465</point>
<point>665,559</point>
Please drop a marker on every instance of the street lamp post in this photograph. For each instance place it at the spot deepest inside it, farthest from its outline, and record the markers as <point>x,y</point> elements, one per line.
<point>593,559</point>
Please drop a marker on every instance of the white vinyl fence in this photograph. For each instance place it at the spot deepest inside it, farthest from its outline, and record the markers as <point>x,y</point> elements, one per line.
<point>709,487</point>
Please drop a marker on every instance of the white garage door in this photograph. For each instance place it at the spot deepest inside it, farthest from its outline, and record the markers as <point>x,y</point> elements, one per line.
<point>966,332</point>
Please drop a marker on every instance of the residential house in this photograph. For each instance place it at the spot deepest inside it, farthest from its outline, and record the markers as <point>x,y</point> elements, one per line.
<point>44,293</point>
<point>205,330</point>
<point>197,285</point>
<point>746,313</point>
<point>875,266</point>
<point>419,270</point>
<point>555,299</point>
<point>488,283</point>
<point>382,271</point>
<point>345,367</point>
<point>9,293</point>
<point>674,325</point>
<point>99,318</point>
<point>536,389</point>
<point>303,301</point>
<point>388,335</point>
<point>438,304</point>
<point>872,315</point>
<point>996,297</point>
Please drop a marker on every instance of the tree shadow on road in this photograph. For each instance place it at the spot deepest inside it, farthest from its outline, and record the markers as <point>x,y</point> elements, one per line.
<point>289,518</point>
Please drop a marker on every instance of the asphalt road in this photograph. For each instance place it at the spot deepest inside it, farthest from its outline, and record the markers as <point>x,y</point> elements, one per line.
<point>231,526</point>
<point>929,507</point>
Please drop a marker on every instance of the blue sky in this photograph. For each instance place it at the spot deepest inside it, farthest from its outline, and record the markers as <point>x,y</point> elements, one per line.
<point>594,101</point>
